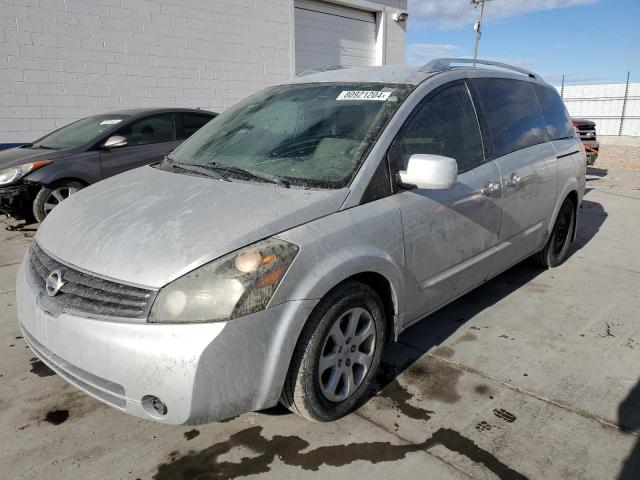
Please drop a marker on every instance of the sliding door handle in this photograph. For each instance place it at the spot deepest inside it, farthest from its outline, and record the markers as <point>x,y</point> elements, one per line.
<point>489,189</point>
<point>513,181</point>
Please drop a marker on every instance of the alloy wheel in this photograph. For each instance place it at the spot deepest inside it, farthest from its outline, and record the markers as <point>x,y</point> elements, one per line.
<point>347,354</point>
<point>56,196</point>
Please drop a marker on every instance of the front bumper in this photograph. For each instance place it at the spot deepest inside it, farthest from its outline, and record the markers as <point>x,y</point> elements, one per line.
<point>15,200</point>
<point>202,372</point>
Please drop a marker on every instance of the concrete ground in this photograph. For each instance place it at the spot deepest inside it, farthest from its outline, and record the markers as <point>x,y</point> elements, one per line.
<point>533,375</point>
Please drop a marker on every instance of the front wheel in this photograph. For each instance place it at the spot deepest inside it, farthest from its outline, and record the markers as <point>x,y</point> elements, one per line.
<point>337,355</point>
<point>51,196</point>
<point>557,247</point>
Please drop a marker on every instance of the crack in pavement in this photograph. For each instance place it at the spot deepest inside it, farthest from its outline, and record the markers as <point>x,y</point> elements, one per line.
<point>611,267</point>
<point>615,194</point>
<point>549,401</point>
<point>10,264</point>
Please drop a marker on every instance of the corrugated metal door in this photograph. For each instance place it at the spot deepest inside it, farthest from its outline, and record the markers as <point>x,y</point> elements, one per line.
<point>328,34</point>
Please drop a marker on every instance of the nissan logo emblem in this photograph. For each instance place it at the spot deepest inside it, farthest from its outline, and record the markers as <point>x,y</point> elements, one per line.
<point>54,283</point>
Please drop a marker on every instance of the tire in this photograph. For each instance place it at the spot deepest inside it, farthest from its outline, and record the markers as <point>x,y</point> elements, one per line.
<point>50,196</point>
<point>308,389</point>
<point>556,249</point>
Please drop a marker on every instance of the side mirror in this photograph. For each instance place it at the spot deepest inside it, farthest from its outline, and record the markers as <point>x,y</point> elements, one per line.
<point>116,141</point>
<point>433,172</point>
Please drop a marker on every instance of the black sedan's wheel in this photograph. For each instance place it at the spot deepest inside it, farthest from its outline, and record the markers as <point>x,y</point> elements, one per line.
<point>51,196</point>
<point>557,247</point>
<point>337,354</point>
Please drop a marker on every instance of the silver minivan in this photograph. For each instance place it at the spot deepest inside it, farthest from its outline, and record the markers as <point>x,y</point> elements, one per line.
<point>274,254</point>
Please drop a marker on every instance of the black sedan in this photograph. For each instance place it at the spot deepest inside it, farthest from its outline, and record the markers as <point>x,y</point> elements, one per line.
<point>36,177</point>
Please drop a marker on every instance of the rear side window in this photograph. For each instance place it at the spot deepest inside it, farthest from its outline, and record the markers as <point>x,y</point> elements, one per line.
<point>557,119</point>
<point>190,123</point>
<point>152,129</point>
<point>443,124</point>
<point>511,112</point>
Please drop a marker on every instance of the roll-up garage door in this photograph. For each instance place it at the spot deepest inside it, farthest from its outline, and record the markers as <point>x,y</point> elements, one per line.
<point>328,34</point>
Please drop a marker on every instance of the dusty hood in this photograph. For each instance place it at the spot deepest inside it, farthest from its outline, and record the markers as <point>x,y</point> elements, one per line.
<point>149,227</point>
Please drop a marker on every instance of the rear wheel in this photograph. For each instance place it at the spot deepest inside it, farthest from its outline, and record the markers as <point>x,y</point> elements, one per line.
<point>52,195</point>
<point>337,354</point>
<point>557,247</point>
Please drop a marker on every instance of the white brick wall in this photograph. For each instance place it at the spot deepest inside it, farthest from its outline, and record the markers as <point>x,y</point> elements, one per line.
<point>64,59</point>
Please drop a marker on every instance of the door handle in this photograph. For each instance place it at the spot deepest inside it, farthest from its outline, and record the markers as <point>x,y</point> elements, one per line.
<point>489,189</point>
<point>513,181</point>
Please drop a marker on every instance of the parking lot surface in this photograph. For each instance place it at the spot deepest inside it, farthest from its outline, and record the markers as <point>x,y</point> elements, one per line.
<point>534,375</point>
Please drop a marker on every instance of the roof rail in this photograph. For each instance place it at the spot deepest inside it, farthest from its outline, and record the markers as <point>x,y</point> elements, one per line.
<point>320,69</point>
<point>443,64</point>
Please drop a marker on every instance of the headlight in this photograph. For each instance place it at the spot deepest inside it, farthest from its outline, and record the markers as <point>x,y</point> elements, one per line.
<point>232,286</point>
<point>14,174</point>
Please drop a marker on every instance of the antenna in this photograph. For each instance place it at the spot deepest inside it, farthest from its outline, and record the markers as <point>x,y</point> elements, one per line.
<point>477,26</point>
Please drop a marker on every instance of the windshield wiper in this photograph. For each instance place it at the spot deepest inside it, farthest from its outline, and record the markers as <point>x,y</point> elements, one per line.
<point>200,170</point>
<point>43,147</point>
<point>251,174</point>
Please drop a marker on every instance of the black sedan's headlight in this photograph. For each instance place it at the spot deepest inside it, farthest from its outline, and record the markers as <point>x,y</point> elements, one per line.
<point>232,286</point>
<point>13,174</point>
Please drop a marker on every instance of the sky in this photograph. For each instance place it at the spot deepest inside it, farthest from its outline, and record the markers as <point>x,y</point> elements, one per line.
<point>589,41</point>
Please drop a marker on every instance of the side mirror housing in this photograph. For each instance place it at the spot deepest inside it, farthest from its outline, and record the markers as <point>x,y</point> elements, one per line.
<point>433,172</point>
<point>115,141</point>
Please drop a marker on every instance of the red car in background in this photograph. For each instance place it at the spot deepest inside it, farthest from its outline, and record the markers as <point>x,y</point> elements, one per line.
<point>586,130</point>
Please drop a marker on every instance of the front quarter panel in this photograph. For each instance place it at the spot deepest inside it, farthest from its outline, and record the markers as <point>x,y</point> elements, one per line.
<point>366,238</point>
<point>83,166</point>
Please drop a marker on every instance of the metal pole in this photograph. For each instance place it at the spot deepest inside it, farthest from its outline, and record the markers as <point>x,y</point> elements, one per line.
<point>477,27</point>
<point>562,87</point>
<point>624,104</point>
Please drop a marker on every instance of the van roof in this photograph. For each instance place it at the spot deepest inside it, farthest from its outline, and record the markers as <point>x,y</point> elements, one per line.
<point>385,74</point>
<point>406,74</point>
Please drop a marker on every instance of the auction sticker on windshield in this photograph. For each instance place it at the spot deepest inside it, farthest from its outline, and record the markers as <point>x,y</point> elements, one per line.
<point>363,95</point>
<point>111,122</point>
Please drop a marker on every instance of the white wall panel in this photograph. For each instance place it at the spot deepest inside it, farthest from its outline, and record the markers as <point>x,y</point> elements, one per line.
<point>604,104</point>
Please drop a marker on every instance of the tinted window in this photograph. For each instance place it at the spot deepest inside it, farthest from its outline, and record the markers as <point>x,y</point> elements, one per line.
<point>557,119</point>
<point>511,112</point>
<point>152,129</point>
<point>190,123</point>
<point>443,124</point>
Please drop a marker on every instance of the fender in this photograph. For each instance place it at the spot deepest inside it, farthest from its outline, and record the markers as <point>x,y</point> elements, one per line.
<point>570,185</point>
<point>83,178</point>
<point>341,266</point>
<point>84,167</point>
<point>365,239</point>
<point>297,303</point>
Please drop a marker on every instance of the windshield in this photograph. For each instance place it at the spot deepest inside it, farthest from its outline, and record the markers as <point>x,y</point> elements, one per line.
<point>78,133</point>
<point>310,134</point>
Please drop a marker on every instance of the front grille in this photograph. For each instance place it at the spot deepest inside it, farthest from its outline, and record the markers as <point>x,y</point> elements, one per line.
<point>83,293</point>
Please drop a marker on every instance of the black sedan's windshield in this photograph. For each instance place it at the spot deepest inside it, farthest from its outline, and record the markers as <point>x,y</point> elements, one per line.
<point>309,134</point>
<point>78,133</point>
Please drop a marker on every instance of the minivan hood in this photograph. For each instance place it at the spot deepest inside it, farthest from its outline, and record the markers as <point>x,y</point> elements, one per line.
<point>12,157</point>
<point>148,227</point>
